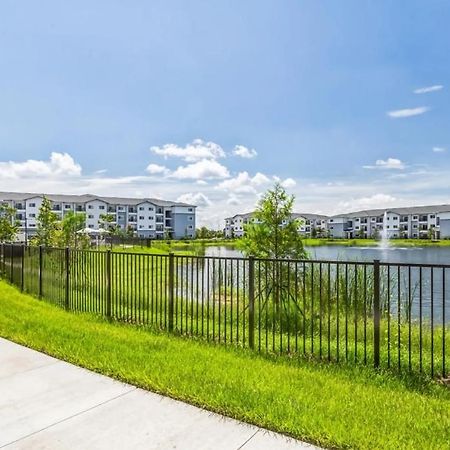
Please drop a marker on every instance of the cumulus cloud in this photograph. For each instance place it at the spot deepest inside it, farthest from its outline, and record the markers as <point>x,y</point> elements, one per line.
<point>195,151</point>
<point>203,169</point>
<point>233,200</point>
<point>439,149</point>
<point>59,164</point>
<point>244,183</point>
<point>197,199</point>
<point>288,183</point>
<point>388,164</point>
<point>244,152</point>
<point>407,112</point>
<point>156,169</point>
<point>427,89</point>
<point>371,202</point>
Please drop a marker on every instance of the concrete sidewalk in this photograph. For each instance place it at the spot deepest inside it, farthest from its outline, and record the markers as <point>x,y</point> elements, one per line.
<point>49,404</point>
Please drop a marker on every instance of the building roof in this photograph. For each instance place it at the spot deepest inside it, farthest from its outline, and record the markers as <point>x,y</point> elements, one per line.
<point>307,216</point>
<point>22,196</point>
<point>432,209</point>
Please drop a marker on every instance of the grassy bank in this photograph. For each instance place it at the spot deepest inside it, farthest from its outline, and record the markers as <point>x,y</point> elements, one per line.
<point>335,406</point>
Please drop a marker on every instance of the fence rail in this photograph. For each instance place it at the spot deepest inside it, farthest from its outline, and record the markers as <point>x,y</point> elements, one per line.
<point>382,314</point>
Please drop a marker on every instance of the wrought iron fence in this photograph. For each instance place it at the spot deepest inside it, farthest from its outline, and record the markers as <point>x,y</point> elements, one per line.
<point>383,314</point>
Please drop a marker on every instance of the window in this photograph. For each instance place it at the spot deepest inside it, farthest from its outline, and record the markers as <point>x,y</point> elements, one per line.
<point>151,218</point>
<point>90,225</point>
<point>67,206</point>
<point>141,208</point>
<point>190,209</point>
<point>101,207</point>
<point>395,218</point>
<point>90,207</point>
<point>415,217</point>
<point>31,215</point>
<point>432,216</point>
<point>150,208</point>
<point>191,218</point>
<point>32,225</point>
<point>32,205</point>
<point>141,217</point>
<point>120,208</point>
<point>90,216</point>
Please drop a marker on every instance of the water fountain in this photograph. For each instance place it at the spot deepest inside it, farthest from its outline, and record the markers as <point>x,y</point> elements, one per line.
<point>384,243</point>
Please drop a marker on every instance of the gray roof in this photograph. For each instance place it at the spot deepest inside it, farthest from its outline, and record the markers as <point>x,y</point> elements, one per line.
<point>22,196</point>
<point>307,216</point>
<point>432,209</point>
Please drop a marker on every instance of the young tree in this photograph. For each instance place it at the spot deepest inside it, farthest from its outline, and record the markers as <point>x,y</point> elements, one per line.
<point>47,224</point>
<point>9,225</point>
<point>274,234</point>
<point>69,231</point>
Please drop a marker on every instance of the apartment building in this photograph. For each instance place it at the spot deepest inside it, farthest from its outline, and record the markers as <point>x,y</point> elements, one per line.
<point>308,224</point>
<point>416,222</point>
<point>147,217</point>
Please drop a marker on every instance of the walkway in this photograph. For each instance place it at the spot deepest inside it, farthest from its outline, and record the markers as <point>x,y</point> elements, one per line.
<point>49,404</point>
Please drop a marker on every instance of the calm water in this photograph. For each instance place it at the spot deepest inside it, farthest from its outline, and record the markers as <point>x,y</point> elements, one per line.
<point>411,255</point>
<point>427,290</point>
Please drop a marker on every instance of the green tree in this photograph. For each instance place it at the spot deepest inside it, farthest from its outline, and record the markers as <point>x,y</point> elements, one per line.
<point>69,231</point>
<point>47,225</point>
<point>9,225</point>
<point>274,233</point>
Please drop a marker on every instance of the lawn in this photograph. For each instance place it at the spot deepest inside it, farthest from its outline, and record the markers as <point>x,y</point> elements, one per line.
<point>331,405</point>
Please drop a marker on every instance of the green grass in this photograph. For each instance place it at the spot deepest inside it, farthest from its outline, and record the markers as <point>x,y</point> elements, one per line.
<point>331,405</point>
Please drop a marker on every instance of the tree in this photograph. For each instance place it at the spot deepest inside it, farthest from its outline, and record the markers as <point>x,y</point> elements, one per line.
<point>9,225</point>
<point>47,224</point>
<point>107,222</point>
<point>69,231</point>
<point>275,232</point>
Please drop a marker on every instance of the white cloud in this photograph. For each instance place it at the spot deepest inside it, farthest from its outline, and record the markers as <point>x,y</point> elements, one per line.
<point>233,200</point>
<point>195,151</point>
<point>244,183</point>
<point>427,89</point>
<point>288,183</point>
<point>372,202</point>
<point>244,152</point>
<point>156,169</point>
<point>204,169</point>
<point>389,164</point>
<point>59,164</point>
<point>439,149</point>
<point>197,199</point>
<point>407,112</point>
<point>202,182</point>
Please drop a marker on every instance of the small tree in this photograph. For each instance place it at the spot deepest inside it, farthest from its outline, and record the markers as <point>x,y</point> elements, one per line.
<point>69,231</point>
<point>9,225</point>
<point>47,224</point>
<point>275,234</point>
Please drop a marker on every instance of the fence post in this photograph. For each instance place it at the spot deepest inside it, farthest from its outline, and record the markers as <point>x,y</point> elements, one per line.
<point>67,266</point>
<point>22,266</point>
<point>108,285</point>
<point>251,302</point>
<point>376,313</point>
<point>11,248</point>
<point>41,268</point>
<point>171,290</point>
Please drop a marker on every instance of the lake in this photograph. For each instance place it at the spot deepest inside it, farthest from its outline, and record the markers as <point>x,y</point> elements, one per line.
<point>406,255</point>
<point>428,290</point>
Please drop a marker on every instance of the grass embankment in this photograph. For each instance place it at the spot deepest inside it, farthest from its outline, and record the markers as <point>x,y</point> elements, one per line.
<point>335,406</point>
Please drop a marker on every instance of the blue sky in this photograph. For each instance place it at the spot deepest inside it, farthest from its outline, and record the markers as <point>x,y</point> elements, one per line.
<point>311,90</point>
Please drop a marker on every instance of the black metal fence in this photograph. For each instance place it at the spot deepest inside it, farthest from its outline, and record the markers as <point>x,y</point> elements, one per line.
<point>383,314</point>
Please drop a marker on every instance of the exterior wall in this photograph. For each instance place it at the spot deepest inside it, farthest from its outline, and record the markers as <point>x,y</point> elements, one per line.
<point>94,209</point>
<point>183,222</point>
<point>145,219</point>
